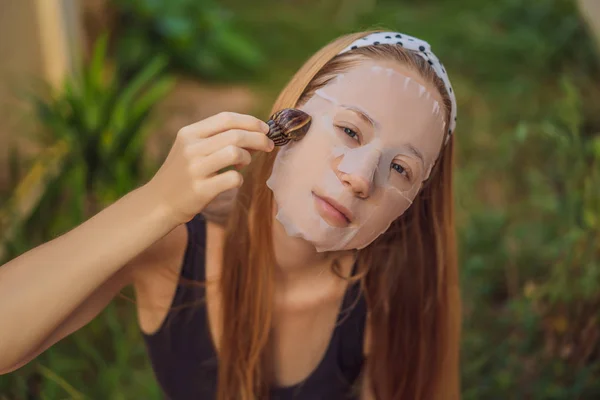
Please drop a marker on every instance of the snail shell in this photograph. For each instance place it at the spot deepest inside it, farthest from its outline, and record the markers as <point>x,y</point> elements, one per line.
<point>289,124</point>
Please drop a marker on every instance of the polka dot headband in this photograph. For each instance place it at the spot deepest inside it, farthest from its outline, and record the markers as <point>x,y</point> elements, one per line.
<point>420,47</point>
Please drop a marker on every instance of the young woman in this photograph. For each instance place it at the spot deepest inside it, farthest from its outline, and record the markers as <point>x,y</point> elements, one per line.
<point>334,272</point>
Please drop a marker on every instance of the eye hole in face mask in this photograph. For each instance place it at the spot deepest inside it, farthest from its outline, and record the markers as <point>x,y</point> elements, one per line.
<point>402,176</point>
<point>351,133</point>
<point>353,129</point>
<point>402,170</point>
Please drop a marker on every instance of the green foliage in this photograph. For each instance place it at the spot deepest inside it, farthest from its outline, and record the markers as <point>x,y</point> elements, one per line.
<point>105,126</point>
<point>197,37</point>
<point>531,270</point>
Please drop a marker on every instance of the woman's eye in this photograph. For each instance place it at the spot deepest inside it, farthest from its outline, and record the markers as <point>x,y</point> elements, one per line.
<point>351,133</point>
<point>400,169</point>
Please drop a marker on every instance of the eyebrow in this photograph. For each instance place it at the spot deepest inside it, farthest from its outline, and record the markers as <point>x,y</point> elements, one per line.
<point>362,114</point>
<point>416,152</point>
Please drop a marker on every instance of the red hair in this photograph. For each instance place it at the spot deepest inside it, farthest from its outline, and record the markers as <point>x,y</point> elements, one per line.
<point>413,303</point>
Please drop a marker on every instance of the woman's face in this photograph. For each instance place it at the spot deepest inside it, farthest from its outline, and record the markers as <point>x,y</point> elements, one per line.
<point>376,132</point>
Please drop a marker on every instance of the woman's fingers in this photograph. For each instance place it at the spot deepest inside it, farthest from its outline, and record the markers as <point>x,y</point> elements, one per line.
<point>211,187</point>
<point>226,157</point>
<point>234,137</point>
<point>223,122</point>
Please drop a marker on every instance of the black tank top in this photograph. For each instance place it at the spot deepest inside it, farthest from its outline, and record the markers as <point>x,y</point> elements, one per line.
<point>184,360</point>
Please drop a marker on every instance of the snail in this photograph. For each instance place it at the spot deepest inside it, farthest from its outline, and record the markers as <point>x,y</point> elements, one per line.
<point>289,124</point>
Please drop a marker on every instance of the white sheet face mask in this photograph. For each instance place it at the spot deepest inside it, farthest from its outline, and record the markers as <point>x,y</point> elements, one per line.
<point>375,135</point>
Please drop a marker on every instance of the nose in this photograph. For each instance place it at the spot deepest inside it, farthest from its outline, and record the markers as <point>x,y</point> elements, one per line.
<point>359,185</point>
<point>358,171</point>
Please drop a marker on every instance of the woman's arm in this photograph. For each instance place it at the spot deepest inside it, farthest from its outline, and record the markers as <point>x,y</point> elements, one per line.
<point>42,288</point>
<point>83,314</point>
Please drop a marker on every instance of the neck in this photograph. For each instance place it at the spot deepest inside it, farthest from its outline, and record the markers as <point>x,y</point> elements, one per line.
<point>298,260</point>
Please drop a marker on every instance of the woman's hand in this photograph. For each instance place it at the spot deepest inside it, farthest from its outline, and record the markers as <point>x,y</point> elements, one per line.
<point>189,178</point>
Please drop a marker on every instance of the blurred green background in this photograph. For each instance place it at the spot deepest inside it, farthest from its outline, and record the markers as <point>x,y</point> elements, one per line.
<point>527,78</point>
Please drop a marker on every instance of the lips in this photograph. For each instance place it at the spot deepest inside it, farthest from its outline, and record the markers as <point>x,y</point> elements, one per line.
<point>337,207</point>
<point>343,210</point>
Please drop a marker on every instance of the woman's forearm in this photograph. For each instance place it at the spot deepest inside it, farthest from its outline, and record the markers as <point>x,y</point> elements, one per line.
<point>42,287</point>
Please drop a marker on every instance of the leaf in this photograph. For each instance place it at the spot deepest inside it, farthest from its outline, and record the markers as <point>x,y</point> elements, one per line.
<point>93,74</point>
<point>152,96</point>
<point>236,48</point>
<point>143,78</point>
<point>62,383</point>
<point>521,132</point>
<point>128,94</point>
<point>128,123</point>
<point>596,147</point>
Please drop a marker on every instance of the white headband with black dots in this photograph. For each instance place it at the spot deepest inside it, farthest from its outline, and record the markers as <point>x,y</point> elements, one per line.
<point>420,47</point>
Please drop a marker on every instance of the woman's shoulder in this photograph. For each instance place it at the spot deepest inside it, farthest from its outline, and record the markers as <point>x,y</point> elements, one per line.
<point>167,253</point>
<point>161,255</point>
